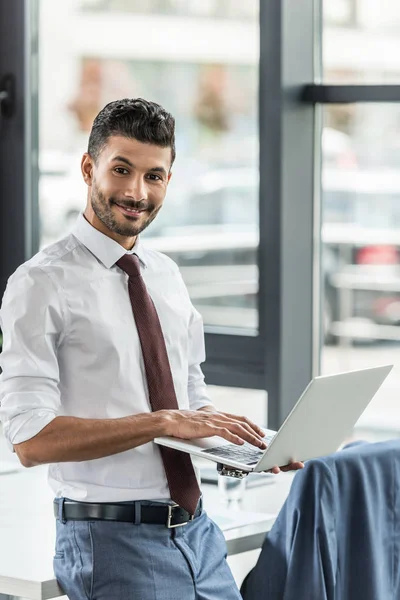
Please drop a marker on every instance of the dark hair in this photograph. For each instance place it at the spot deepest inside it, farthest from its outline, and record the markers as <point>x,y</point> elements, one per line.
<point>135,118</point>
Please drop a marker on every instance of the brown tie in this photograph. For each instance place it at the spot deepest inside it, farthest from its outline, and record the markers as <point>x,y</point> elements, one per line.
<point>178,466</point>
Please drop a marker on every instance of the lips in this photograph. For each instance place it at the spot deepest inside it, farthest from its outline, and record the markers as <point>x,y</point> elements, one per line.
<point>129,208</point>
<point>126,211</point>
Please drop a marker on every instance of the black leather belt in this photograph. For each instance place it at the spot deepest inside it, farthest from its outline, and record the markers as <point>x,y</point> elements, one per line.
<point>170,515</point>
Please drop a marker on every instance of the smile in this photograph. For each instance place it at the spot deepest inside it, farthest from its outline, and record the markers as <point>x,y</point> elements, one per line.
<point>132,212</point>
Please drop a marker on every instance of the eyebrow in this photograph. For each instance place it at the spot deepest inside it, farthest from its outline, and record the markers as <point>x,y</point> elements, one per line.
<point>128,162</point>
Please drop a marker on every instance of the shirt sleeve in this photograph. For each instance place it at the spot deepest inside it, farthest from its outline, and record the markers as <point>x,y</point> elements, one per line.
<point>32,321</point>
<point>197,389</point>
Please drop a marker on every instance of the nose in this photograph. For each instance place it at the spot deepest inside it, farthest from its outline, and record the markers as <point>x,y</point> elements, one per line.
<point>136,189</point>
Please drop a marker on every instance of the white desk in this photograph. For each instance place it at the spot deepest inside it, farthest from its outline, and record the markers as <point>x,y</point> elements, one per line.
<point>27,538</point>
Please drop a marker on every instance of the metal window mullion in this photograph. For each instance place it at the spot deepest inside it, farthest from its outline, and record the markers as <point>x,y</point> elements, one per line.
<point>14,245</point>
<point>349,94</point>
<point>287,202</point>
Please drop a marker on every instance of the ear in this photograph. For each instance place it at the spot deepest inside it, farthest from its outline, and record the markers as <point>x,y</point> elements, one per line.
<point>87,168</point>
<point>169,177</point>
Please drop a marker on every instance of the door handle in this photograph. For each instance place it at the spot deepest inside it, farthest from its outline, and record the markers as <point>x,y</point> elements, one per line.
<point>7,96</point>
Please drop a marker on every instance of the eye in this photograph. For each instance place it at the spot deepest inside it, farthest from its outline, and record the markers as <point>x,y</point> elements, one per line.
<point>119,169</point>
<point>157,177</point>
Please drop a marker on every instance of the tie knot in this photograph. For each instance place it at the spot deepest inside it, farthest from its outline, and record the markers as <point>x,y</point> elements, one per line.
<point>130,264</point>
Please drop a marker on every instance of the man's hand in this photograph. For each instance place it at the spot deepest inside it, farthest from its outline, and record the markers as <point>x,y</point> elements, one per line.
<point>291,467</point>
<point>190,424</point>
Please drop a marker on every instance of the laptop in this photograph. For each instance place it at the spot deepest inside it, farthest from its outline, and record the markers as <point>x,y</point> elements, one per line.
<point>322,418</point>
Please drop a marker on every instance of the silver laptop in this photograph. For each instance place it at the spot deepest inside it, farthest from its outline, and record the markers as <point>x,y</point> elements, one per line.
<point>319,422</point>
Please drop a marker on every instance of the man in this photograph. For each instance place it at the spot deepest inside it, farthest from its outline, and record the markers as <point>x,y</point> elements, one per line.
<point>102,352</point>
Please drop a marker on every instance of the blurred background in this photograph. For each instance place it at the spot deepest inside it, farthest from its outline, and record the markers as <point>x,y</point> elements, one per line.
<point>283,215</point>
<point>200,61</point>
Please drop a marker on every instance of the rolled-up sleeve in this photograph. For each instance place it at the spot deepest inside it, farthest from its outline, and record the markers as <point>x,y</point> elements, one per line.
<point>32,320</point>
<point>197,388</point>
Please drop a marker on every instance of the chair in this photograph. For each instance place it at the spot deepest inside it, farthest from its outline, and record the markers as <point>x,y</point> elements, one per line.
<point>337,537</point>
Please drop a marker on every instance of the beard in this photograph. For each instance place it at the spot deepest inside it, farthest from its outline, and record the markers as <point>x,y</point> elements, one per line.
<point>102,208</point>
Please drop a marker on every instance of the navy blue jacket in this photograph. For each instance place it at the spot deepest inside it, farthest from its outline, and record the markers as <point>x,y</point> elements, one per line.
<point>337,537</point>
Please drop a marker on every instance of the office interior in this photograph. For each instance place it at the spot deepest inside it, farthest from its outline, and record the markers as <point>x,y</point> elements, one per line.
<point>281,212</point>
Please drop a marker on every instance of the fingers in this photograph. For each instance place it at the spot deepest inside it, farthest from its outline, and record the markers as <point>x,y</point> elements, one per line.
<point>197,424</point>
<point>228,435</point>
<point>295,466</point>
<point>275,470</point>
<point>248,434</point>
<point>241,428</point>
<point>237,434</point>
<point>258,430</point>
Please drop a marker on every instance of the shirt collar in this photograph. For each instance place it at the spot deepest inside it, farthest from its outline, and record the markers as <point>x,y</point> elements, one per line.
<point>107,250</point>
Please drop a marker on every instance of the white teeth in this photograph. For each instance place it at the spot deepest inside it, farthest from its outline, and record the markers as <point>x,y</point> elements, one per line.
<point>128,209</point>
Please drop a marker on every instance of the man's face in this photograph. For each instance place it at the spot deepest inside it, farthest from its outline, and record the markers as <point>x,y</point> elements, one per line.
<point>127,186</point>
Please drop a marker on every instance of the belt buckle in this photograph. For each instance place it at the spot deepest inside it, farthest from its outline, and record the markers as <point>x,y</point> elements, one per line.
<point>170,507</point>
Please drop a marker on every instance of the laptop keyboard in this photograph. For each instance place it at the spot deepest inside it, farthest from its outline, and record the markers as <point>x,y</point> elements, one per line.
<point>247,454</point>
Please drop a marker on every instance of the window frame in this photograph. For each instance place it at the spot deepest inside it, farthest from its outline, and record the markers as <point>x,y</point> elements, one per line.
<point>285,353</point>
<point>281,358</point>
<point>19,138</point>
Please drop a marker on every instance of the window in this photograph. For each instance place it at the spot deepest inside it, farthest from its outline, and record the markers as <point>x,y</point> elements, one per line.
<point>209,222</point>
<point>240,213</point>
<point>224,9</point>
<point>360,281</point>
<point>361,42</point>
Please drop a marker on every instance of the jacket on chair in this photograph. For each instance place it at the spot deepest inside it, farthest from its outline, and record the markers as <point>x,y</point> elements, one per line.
<point>337,537</point>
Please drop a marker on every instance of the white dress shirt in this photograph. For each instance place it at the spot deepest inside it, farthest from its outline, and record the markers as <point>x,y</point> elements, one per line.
<point>71,347</point>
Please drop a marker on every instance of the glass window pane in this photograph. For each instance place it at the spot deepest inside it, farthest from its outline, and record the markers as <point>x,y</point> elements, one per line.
<point>361,42</point>
<point>361,250</point>
<point>198,8</point>
<point>196,69</point>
